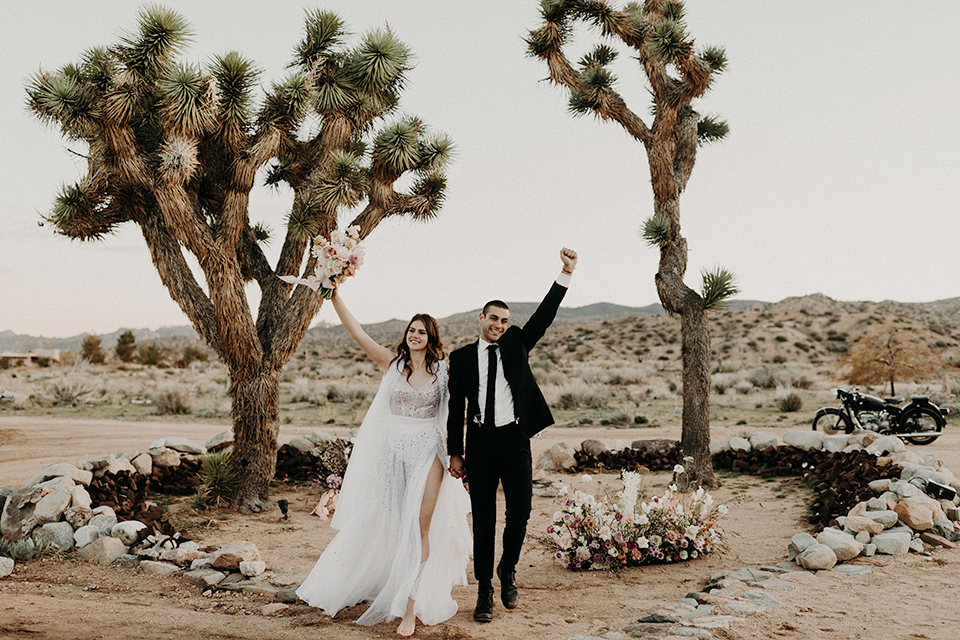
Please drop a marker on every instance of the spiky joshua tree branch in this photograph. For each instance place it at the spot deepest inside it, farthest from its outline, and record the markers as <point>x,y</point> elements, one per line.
<point>175,148</point>
<point>676,74</point>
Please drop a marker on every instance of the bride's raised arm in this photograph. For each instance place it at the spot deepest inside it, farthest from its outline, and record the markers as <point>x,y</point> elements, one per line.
<point>378,353</point>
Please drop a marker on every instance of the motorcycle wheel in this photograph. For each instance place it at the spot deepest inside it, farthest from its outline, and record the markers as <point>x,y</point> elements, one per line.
<point>921,419</point>
<point>831,422</point>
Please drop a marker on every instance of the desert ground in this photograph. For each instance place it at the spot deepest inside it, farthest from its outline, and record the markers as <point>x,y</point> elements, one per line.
<point>60,597</point>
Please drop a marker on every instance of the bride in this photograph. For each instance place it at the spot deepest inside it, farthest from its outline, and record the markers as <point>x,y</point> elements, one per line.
<point>403,539</point>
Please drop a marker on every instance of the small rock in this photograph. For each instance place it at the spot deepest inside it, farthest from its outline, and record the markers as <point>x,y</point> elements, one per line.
<point>118,465</point>
<point>166,458</point>
<point>6,566</point>
<point>182,444</point>
<point>85,535</point>
<point>886,518</point>
<point>692,632</point>
<point>916,545</point>
<point>800,543</point>
<point>835,443</point>
<point>58,534</point>
<point>852,569</point>
<point>844,545</point>
<point>817,558</point>
<point>880,486</point>
<point>260,590</point>
<point>762,440</point>
<point>201,563</point>
<point>747,574</point>
<point>937,541</point>
<point>658,617</point>
<point>804,439</point>
<point>254,568</point>
<point>204,577</point>
<point>220,441</point>
<point>741,609</point>
<point>71,471</point>
<point>105,522</point>
<point>886,444</point>
<point>718,445</point>
<point>869,550</point>
<point>274,609</point>
<point>289,594</point>
<point>894,544</point>
<point>739,444</point>
<point>304,445</point>
<point>559,457</point>
<point>231,555</point>
<point>103,551</point>
<point>917,517</point>
<point>593,447</point>
<point>713,622</point>
<point>143,463</point>
<point>128,531</point>
<point>857,524</point>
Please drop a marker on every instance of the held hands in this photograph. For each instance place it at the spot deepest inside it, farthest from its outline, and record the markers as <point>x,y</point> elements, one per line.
<point>569,258</point>
<point>457,468</point>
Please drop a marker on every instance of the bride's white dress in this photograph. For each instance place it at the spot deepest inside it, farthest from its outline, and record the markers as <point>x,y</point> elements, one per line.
<point>375,556</point>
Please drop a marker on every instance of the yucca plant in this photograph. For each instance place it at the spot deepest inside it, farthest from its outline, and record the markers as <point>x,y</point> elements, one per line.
<point>24,549</point>
<point>175,148</point>
<point>218,479</point>
<point>676,74</point>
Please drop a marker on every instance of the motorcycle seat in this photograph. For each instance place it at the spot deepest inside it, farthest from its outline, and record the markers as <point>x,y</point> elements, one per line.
<point>920,399</point>
<point>893,400</point>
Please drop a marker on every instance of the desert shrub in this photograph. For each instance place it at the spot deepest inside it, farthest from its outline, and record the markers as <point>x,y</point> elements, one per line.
<point>218,479</point>
<point>576,394</point>
<point>743,387</point>
<point>91,349</point>
<point>172,401</point>
<point>801,382</point>
<point>339,391</point>
<point>790,403</point>
<point>781,338</point>
<point>73,387</point>
<point>151,353</point>
<point>189,355</point>
<point>5,363</point>
<point>763,378</point>
<point>778,359</point>
<point>618,419</point>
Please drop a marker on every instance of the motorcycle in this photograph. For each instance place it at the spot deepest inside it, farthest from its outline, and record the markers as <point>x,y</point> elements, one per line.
<point>919,422</point>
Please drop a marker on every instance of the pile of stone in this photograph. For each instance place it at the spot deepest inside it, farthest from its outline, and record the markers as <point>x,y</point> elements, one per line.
<point>97,507</point>
<point>650,455</point>
<point>316,456</point>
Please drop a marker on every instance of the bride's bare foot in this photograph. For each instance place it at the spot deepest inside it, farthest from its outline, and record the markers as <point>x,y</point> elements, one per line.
<point>409,623</point>
<point>407,627</point>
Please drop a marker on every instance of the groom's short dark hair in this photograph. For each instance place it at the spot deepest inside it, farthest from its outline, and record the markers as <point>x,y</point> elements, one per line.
<point>500,304</point>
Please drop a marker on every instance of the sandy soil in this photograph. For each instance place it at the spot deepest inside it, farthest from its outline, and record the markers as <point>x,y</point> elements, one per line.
<point>907,597</point>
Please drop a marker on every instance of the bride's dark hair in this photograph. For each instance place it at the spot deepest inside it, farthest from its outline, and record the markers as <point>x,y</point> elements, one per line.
<point>434,351</point>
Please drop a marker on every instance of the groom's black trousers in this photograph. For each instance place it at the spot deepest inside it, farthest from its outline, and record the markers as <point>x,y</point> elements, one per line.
<point>492,458</point>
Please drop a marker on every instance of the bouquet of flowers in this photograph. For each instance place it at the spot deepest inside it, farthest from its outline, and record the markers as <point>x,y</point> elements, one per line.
<point>622,530</point>
<point>337,259</point>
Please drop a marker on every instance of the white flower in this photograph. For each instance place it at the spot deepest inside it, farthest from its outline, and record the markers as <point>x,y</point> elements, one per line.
<point>558,516</point>
<point>692,531</point>
<point>613,553</point>
<point>605,533</point>
<point>679,509</point>
<point>585,478</point>
<point>678,468</point>
<point>582,554</point>
<point>683,554</point>
<point>642,543</point>
<point>698,494</point>
<point>673,488</point>
<point>722,509</point>
<point>564,490</point>
<point>643,520</point>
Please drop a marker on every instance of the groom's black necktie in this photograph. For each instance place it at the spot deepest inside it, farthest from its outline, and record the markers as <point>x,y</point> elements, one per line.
<point>489,420</point>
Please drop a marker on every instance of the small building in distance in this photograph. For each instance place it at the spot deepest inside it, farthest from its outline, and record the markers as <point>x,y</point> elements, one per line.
<point>40,357</point>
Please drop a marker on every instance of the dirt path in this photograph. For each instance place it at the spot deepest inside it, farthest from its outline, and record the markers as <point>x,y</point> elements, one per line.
<point>908,597</point>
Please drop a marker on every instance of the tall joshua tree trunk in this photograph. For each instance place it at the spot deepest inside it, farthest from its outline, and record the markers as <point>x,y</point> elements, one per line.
<point>176,149</point>
<point>676,76</point>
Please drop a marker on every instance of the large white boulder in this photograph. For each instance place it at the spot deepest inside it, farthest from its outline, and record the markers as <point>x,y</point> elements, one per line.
<point>183,445</point>
<point>76,474</point>
<point>844,546</point>
<point>804,439</point>
<point>763,439</point>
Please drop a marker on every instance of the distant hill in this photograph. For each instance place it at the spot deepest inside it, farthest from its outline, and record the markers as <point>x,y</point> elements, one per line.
<point>10,341</point>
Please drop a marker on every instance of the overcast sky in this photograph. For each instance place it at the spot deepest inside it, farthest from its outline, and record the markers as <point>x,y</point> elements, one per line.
<point>839,174</point>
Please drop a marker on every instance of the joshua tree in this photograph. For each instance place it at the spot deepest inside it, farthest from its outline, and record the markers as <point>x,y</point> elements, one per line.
<point>126,346</point>
<point>676,75</point>
<point>885,355</point>
<point>175,148</point>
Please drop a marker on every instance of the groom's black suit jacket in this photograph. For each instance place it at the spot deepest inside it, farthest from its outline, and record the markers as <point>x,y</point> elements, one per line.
<point>515,345</point>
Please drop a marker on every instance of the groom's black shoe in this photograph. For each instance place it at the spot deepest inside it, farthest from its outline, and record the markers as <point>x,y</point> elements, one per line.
<point>508,586</point>
<point>484,610</point>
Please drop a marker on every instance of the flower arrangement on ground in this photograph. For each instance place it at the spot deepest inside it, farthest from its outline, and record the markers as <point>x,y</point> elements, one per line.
<point>614,531</point>
<point>336,260</point>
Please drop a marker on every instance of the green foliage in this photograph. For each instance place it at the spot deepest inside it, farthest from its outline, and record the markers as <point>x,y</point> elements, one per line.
<point>379,61</point>
<point>322,32</point>
<point>716,57</point>
<point>711,129</point>
<point>667,41</point>
<point>346,182</point>
<point>218,478</point>
<point>151,353</point>
<point>91,350</point>
<point>236,76</point>
<point>126,346</point>
<point>189,355</point>
<point>718,286</point>
<point>396,145</point>
<point>163,34</point>
<point>790,403</point>
<point>656,230</point>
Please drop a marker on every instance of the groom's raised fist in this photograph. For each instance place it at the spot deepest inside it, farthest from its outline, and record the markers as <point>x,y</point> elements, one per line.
<point>569,258</point>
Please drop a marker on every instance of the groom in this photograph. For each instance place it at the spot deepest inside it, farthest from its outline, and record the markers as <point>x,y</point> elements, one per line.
<point>492,385</point>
